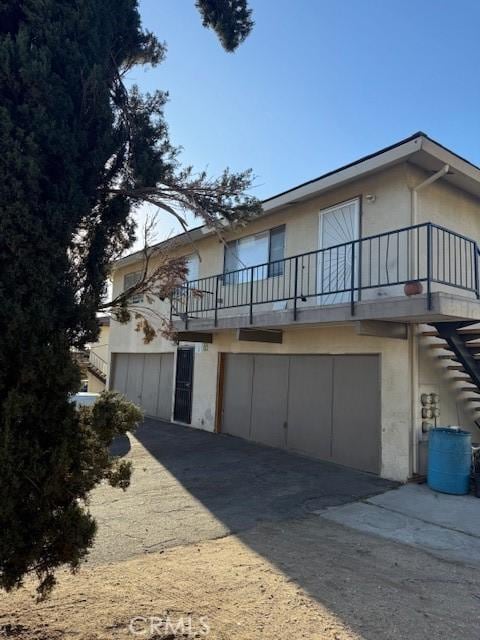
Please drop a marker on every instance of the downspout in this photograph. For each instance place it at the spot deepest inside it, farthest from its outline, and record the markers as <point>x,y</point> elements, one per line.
<point>433,178</point>
<point>412,328</point>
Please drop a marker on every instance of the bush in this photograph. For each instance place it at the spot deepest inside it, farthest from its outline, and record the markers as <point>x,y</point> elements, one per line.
<point>53,526</point>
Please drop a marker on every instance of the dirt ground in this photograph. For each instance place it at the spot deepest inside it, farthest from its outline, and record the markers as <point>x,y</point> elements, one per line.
<point>219,535</point>
<point>326,582</point>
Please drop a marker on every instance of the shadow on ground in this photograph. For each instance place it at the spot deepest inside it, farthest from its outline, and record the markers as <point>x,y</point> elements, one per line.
<point>242,483</point>
<point>120,446</point>
<point>193,486</point>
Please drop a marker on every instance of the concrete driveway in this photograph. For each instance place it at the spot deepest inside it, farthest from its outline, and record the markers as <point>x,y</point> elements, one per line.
<point>447,526</point>
<point>190,485</point>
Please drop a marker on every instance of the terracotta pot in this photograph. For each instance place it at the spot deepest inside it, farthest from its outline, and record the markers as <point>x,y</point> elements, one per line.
<point>413,288</point>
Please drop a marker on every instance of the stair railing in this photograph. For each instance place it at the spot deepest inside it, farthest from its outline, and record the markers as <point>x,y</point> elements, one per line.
<point>98,363</point>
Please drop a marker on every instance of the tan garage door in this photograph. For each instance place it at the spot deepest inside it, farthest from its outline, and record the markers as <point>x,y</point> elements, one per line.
<point>323,406</point>
<point>146,380</point>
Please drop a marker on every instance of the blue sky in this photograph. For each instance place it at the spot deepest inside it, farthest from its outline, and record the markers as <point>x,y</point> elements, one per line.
<point>317,84</point>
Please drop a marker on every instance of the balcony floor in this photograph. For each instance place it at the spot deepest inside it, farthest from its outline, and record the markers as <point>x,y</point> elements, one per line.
<point>446,307</point>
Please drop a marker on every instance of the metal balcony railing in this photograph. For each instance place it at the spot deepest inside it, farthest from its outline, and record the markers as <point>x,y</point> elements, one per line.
<point>426,253</point>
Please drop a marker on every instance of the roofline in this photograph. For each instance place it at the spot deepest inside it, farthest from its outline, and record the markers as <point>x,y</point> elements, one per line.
<point>383,158</point>
<point>419,134</point>
<point>179,240</point>
<point>349,165</point>
<point>442,146</point>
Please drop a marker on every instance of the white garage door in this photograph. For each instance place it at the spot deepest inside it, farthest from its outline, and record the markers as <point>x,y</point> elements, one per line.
<point>146,380</point>
<point>323,406</point>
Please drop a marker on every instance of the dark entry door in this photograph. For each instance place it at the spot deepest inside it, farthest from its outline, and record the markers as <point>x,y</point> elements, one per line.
<point>183,385</point>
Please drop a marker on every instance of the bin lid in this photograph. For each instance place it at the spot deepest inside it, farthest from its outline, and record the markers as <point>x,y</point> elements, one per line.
<point>452,431</point>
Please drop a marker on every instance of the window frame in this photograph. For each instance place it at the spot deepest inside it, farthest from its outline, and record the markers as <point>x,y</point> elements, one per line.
<point>276,267</point>
<point>188,259</point>
<point>136,298</point>
<point>273,270</point>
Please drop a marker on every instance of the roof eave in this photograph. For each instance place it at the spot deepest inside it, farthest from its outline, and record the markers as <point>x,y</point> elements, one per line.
<point>388,158</point>
<point>419,149</point>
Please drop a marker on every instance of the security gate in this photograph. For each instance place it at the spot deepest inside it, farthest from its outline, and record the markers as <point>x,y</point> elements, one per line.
<point>184,385</point>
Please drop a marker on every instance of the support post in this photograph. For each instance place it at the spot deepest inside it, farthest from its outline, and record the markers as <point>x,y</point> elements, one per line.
<point>429,266</point>
<point>295,290</point>
<point>359,297</point>
<point>186,306</point>
<point>251,295</point>
<point>216,300</point>
<point>352,282</point>
<point>475,266</point>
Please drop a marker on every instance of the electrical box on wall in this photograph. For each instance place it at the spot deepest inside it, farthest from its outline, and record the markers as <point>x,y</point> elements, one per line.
<point>430,411</point>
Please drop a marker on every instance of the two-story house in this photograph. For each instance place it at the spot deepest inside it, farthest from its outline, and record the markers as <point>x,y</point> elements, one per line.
<point>338,324</point>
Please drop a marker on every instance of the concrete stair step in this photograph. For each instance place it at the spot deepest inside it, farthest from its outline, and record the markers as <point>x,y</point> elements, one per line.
<point>469,331</point>
<point>442,345</point>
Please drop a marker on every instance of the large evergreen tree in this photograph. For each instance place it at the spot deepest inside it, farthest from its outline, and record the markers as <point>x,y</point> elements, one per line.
<point>78,152</point>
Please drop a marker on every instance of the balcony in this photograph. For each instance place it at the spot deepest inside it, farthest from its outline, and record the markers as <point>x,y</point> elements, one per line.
<point>358,280</point>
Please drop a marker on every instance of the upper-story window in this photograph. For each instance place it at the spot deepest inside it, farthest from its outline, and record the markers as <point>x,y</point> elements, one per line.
<point>258,249</point>
<point>193,264</point>
<point>130,280</point>
<point>276,251</point>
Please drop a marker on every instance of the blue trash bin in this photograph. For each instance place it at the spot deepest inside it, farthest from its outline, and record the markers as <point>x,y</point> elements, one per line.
<point>449,460</point>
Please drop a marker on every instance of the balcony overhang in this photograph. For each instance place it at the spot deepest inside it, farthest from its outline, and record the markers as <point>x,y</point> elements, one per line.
<point>445,307</point>
<point>359,280</point>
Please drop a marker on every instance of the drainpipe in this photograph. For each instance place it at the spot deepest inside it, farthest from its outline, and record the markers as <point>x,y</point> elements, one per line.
<point>412,328</point>
<point>433,178</point>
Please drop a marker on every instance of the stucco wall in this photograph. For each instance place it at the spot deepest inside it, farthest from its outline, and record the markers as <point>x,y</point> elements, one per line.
<point>101,346</point>
<point>125,339</point>
<point>395,385</point>
<point>94,384</point>
<point>444,204</point>
<point>389,210</point>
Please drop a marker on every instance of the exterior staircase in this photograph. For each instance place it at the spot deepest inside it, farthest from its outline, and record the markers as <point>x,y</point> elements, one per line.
<point>92,362</point>
<point>458,345</point>
<point>97,366</point>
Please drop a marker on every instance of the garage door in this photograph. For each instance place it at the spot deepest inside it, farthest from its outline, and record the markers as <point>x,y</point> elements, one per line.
<point>146,380</point>
<point>322,406</point>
